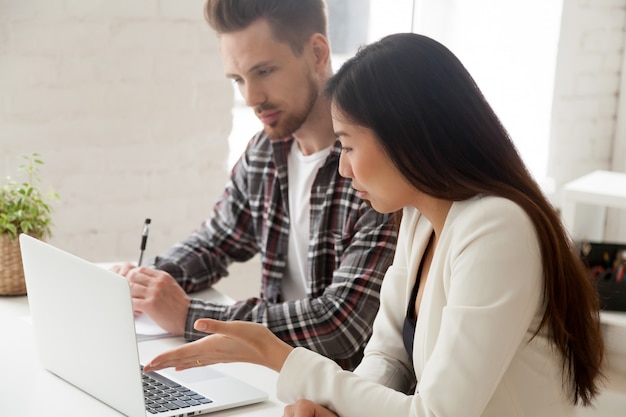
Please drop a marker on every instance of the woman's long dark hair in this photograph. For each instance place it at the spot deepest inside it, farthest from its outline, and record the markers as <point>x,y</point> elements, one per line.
<point>438,129</point>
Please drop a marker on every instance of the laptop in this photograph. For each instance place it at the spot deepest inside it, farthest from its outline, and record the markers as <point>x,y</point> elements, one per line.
<point>84,327</point>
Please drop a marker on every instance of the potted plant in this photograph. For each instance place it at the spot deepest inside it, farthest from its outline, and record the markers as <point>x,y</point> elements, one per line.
<point>23,209</point>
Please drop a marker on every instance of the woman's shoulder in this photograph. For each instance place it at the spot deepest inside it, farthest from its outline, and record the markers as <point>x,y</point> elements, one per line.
<point>489,222</point>
<point>489,213</point>
<point>476,212</point>
<point>487,205</point>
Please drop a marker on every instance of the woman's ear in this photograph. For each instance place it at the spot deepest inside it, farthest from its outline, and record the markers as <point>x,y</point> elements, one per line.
<point>321,51</point>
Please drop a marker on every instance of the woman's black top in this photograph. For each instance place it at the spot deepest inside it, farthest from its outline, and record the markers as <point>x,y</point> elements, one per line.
<point>410,320</point>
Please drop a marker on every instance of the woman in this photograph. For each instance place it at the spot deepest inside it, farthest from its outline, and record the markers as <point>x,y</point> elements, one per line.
<point>486,310</point>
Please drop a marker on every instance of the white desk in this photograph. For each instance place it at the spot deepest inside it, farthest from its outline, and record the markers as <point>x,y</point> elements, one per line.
<point>599,188</point>
<point>28,390</point>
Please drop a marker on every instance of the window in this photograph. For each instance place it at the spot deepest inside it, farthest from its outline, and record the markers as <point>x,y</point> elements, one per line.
<point>509,48</point>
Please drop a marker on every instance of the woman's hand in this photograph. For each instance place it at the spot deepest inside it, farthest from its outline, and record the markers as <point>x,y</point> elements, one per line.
<point>232,341</point>
<point>306,408</point>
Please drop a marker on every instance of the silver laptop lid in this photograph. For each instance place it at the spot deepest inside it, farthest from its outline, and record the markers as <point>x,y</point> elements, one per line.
<point>84,326</point>
<point>83,320</point>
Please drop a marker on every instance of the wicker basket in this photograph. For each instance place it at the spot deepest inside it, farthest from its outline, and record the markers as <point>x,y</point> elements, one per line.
<point>11,271</point>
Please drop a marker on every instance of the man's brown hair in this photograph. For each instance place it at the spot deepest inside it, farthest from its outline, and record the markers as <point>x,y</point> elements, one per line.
<point>291,21</point>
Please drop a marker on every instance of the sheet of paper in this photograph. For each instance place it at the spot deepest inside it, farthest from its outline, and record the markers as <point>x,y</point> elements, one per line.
<point>146,328</point>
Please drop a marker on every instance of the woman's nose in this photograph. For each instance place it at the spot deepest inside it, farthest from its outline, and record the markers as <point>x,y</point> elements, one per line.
<point>344,166</point>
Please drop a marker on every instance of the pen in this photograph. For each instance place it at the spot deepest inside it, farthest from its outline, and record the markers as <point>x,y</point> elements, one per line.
<point>144,239</point>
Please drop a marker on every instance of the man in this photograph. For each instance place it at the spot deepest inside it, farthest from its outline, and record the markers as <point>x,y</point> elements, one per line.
<point>323,250</point>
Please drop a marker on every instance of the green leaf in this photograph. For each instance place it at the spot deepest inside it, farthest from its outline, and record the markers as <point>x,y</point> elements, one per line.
<point>23,207</point>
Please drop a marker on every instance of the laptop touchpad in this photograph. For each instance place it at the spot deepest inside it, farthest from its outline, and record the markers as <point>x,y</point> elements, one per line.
<point>193,374</point>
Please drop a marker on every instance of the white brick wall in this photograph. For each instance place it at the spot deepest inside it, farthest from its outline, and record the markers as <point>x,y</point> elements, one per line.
<point>587,100</point>
<point>127,104</point>
<point>587,85</point>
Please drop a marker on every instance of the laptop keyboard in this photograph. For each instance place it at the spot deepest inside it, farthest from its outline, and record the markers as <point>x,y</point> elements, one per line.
<point>162,394</point>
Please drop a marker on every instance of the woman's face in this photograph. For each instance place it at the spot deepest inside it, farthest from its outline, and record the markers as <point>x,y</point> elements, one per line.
<point>373,174</point>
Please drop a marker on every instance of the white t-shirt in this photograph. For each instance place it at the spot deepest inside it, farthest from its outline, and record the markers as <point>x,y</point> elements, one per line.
<point>301,171</point>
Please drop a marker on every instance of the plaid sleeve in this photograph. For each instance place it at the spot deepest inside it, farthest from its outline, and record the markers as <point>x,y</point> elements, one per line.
<point>203,257</point>
<point>337,322</point>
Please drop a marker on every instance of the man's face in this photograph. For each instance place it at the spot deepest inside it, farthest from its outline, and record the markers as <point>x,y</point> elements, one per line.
<point>280,86</point>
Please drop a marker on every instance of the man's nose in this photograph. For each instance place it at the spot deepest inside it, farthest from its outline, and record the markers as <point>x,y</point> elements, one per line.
<point>253,95</point>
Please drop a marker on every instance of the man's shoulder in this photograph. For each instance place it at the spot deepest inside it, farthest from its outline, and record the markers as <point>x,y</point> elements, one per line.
<point>260,140</point>
<point>262,147</point>
<point>259,149</point>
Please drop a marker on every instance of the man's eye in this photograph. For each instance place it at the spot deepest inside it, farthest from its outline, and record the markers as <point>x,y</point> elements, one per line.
<point>265,71</point>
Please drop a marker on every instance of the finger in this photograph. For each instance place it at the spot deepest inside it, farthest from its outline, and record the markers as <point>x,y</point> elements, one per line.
<point>147,277</point>
<point>137,290</point>
<point>207,325</point>
<point>167,361</point>
<point>177,366</point>
<point>136,276</point>
<point>150,272</point>
<point>122,269</point>
<point>235,329</point>
<point>138,305</point>
<point>181,357</point>
<point>138,297</point>
<point>161,361</point>
<point>144,275</point>
<point>151,367</point>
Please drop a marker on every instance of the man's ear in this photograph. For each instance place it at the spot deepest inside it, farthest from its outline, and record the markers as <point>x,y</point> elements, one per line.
<point>321,51</point>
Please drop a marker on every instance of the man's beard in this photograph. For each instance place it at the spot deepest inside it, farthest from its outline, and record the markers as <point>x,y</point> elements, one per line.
<point>290,123</point>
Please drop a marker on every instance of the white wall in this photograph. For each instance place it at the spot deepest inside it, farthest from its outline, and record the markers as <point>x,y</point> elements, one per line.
<point>587,87</point>
<point>586,96</point>
<point>509,48</point>
<point>127,104</point>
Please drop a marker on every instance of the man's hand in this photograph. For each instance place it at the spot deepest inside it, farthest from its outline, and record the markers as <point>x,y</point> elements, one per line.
<point>122,269</point>
<point>157,294</point>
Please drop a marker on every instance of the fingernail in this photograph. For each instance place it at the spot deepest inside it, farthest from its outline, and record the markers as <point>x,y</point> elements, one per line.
<point>200,326</point>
